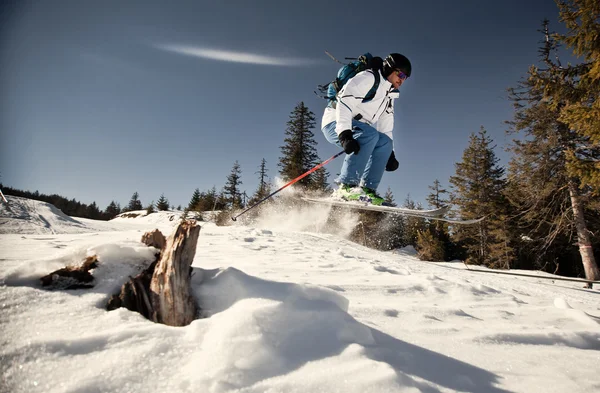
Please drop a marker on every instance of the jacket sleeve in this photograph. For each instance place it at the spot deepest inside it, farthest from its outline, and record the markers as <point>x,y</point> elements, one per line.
<point>349,97</point>
<point>385,124</point>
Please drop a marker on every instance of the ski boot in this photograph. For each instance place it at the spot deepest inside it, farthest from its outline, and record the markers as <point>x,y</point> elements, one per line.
<point>349,192</point>
<point>371,196</point>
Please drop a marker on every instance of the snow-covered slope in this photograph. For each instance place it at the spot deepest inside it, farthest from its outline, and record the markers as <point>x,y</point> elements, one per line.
<point>27,216</point>
<point>291,311</point>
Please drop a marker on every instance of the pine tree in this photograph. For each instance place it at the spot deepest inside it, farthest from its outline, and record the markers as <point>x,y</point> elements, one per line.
<point>231,190</point>
<point>389,228</point>
<point>477,191</point>
<point>384,231</point>
<point>551,195</point>
<point>412,225</point>
<point>112,210</point>
<point>220,201</point>
<point>93,212</point>
<point>81,210</point>
<point>194,201</point>
<point>264,187</point>
<point>135,203</point>
<point>502,251</point>
<point>163,203</point>
<point>389,197</point>
<point>575,89</point>
<point>299,153</point>
<point>215,200</point>
<point>320,181</point>
<point>436,198</point>
<point>150,208</point>
<point>211,200</point>
<point>437,235</point>
<point>429,247</point>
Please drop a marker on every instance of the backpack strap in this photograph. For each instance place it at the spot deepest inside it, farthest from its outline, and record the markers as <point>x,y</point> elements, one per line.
<point>368,97</point>
<point>371,93</point>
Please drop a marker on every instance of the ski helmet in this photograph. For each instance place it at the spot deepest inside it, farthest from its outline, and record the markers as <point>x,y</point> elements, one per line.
<point>396,61</point>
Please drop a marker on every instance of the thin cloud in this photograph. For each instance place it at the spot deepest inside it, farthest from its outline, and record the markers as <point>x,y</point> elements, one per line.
<point>235,57</point>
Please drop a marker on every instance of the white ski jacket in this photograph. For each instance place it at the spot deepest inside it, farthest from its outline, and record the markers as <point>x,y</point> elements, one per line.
<point>379,112</point>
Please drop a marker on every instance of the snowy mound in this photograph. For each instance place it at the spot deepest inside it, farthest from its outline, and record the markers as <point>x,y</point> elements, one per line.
<point>289,311</point>
<point>28,216</point>
<point>155,218</point>
<point>142,217</point>
<point>165,220</point>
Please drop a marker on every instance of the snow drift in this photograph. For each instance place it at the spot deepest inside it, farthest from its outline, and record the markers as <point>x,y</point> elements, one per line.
<point>27,216</point>
<point>290,311</point>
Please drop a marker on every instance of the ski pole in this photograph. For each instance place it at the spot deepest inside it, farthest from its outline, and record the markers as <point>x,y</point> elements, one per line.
<point>302,176</point>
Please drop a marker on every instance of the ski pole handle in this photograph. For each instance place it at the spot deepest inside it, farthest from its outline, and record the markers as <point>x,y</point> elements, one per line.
<point>302,176</point>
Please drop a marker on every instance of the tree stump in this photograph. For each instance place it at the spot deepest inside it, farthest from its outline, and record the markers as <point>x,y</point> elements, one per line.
<point>162,292</point>
<point>134,294</point>
<point>170,290</point>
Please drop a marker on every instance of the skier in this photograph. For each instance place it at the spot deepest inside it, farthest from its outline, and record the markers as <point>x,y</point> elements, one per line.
<point>364,129</point>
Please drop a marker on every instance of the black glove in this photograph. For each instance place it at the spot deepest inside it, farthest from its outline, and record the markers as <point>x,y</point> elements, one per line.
<point>392,163</point>
<point>349,144</point>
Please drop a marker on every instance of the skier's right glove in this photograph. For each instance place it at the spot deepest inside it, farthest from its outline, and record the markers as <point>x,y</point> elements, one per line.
<point>349,144</point>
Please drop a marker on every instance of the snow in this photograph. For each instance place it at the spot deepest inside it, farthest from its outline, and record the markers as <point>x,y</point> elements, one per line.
<point>289,309</point>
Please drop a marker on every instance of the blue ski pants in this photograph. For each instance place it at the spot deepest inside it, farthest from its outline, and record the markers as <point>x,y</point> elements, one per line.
<point>365,168</point>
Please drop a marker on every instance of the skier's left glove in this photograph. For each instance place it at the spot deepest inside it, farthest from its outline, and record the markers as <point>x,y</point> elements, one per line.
<point>349,144</point>
<point>392,163</point>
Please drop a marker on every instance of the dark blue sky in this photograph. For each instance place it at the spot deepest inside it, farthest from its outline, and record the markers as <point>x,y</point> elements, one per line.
<point>101,99</point>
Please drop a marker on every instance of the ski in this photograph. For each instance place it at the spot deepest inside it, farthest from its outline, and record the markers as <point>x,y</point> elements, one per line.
<point>434,214</point>
<point>368,206</point>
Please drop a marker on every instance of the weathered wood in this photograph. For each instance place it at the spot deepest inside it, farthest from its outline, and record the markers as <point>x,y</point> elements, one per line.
<point>154,239</point>
<point>170,290</point>
<point>72,277</point>
<point>134,294</point>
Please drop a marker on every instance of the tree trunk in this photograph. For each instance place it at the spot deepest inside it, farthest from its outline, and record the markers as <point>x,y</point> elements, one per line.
<point>170,292</point>
<point>583,237</point>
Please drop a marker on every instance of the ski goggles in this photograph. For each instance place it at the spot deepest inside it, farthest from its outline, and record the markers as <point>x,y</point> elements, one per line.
<point>402,75</point>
